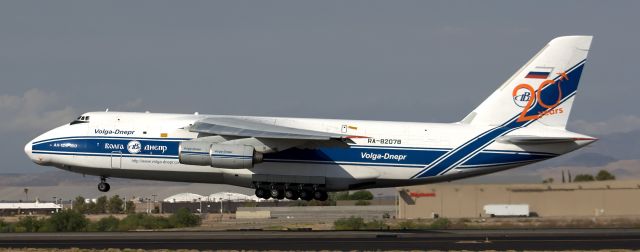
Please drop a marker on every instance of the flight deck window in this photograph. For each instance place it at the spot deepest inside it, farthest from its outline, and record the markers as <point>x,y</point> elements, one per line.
<point>80,119</point>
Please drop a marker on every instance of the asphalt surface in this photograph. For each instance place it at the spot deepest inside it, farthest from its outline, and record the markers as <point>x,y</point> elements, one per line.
<point>539,239</point>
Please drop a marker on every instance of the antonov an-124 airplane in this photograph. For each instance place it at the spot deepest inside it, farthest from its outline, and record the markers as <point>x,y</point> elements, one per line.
<point>522,122</point>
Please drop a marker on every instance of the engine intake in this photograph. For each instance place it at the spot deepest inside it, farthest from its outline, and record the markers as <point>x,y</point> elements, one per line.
<point>218,155</point>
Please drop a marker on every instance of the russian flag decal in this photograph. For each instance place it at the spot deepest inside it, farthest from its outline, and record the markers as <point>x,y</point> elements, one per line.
<point>539,73</point>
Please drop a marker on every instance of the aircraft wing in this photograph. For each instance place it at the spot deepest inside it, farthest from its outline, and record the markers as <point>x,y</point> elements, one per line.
<point>538,139</point>
<point>233,126</point>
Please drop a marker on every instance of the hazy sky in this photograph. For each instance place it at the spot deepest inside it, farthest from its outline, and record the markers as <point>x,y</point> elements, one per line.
<point>382,60</point>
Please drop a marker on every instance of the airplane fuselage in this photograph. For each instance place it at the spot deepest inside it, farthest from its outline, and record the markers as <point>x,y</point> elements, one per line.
<point>383,154</point>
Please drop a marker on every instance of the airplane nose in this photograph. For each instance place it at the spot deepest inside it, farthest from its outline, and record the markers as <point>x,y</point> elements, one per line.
<point>27,150</point>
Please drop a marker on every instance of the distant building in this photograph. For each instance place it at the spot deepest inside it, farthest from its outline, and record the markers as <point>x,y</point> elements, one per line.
<point>230,196</point>
<point>28,208</point>
<point>585,199</point>
<point>185,197</point>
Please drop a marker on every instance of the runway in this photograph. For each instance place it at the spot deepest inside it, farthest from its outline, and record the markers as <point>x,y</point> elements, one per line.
<point>538,239</point>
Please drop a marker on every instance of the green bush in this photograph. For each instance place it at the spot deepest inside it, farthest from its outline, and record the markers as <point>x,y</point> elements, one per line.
<point>106,224</point>
<point>351,223</point>
<point>66,221</point>
<point>6,227</point>
<point>604,175</point>
<point>359,195</point>
<point>363,203</point>
<point>115,205</point>
<point>143,221</point>
<point>441,223</point>
<point>184,218</point>
<point>376,224</point>
<point>357,223</point>
<point>29,224</point>
<point>408,224</point>
<point>583,178</point>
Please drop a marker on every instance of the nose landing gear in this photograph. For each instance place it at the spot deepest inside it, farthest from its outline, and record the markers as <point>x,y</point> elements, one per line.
<point>103,186</point>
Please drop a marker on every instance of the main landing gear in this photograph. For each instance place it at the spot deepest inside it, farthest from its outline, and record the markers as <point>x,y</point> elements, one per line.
<point>103,186</point>
<point>291,191</point>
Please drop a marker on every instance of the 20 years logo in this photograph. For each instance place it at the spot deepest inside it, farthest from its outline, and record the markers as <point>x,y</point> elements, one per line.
<point>526,97</point>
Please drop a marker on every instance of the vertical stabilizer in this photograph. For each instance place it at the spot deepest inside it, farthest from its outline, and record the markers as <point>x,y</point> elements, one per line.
<point>541,91</point>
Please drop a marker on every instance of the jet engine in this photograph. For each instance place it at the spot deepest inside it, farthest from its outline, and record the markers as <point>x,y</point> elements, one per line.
<point>231,156</point>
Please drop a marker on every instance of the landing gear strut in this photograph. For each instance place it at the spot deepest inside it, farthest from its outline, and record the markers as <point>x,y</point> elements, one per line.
<point>103,186</point>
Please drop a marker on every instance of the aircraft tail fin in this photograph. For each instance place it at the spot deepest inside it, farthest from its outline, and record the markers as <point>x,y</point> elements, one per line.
<point>541,91</point>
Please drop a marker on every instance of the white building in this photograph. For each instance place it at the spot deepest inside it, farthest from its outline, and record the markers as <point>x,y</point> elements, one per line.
<point>28,208</point>
<point>185,197</point>
<point>229,196</point>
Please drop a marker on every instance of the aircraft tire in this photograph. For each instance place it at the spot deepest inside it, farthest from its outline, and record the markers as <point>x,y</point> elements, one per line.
<point>291,194</point>
<point>276,193</point>
<point>306,195</point>
<point>261,193</point>
<point>103,187</point>
<point>320,195</point>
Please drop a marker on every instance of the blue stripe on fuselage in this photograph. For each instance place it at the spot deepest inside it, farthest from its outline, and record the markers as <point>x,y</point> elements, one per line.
<point>389,156</point>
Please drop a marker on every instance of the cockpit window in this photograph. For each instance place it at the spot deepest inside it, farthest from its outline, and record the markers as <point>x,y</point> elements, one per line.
<point>80,119</point>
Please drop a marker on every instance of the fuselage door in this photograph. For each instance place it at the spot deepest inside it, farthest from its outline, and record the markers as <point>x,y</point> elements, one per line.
<point>116,160</point>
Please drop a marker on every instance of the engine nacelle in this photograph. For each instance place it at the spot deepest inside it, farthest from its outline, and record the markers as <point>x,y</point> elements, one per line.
<point>218,155</point>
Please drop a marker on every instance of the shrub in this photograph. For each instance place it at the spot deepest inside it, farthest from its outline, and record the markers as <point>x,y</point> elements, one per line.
<point>361,195</point>
<point>408,224</point>
<point>375,224</point>
<point>583,178</point>
<point>29,224</point>
<point>66,221</point>
<point>6,227</point>
<point>441,223</point>
<point>357,223</point>
<point>604,175</point>
<point>138,220</point>
<point>131,207</point>
<point>351,223</point>
<point>107,224</point>
<point>184,218</point>
<point>363,203</point>
<point>115,204</point>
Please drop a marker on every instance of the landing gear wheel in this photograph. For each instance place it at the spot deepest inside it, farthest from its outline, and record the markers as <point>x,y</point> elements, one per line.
<point>103,187</point>
<point>306,195</point>
<point>262,193</point>
<point>291,194</point>
<point>277,193</point>
<point>320,195</point>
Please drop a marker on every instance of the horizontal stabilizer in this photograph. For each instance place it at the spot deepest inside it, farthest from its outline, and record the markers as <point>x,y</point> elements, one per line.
<point>539,139</point>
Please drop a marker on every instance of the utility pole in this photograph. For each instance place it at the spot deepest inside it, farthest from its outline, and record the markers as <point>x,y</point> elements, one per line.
<point>570,180</point>
<point>154,201</point>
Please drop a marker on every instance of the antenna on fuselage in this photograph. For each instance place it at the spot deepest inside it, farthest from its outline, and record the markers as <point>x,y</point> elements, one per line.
<point>107,110</point>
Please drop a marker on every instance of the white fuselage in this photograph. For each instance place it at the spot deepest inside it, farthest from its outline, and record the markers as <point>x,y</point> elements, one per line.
<point>145,146</point>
